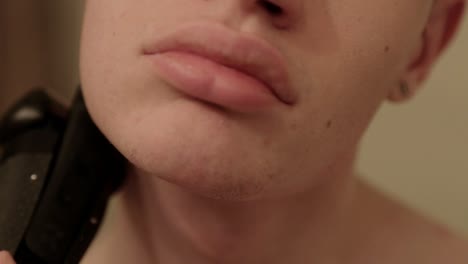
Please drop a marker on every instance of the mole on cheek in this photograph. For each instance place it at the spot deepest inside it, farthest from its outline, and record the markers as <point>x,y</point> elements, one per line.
<point>387,49</point>
<point>329,123</point>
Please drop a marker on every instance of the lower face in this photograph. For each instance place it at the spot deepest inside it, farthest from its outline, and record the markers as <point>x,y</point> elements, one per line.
<point>342,57</point>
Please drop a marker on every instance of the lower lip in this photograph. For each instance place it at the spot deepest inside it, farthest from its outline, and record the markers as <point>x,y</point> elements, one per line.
<point>209,81</point>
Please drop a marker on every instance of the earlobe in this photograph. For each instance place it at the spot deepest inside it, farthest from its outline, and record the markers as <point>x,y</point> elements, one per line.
<point>415,73</point>
<point>401,92</point>
<point>440,29</point>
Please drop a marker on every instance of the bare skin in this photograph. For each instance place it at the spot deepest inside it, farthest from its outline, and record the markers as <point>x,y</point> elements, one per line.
<point>5,258</point>
<point>286,191</point>
<point>369,228</point>
<point>275,186</point>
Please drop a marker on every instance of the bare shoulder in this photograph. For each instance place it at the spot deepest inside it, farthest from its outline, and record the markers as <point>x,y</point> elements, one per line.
<point>456,251</point>
<point>445,248</point>
<point>398,234</point>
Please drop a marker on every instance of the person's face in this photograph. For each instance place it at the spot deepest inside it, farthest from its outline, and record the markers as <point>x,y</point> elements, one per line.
<point>343,59</point>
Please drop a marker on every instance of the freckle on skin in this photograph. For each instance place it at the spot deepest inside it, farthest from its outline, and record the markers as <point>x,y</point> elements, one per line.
<point>387,48</point>
<point>266,142</point>
<point>293,126</point>
<point>329,123</point>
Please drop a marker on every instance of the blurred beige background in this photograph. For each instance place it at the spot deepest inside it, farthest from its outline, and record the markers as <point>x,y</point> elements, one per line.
<point>418,151</point>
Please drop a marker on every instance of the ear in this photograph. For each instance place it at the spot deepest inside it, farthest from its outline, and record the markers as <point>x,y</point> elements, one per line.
<point>440,29</point>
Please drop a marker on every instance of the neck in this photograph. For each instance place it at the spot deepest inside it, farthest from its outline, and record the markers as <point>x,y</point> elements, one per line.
<point>176,226</point>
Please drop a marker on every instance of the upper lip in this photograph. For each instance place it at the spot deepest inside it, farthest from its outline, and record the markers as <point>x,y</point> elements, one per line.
<point>241,51</point>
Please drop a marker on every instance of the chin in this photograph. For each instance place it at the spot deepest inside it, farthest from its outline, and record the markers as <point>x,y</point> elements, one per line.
<point>213,173</point>
<point>198,150</point>
<point>229,188</point>
<point>214,176</point>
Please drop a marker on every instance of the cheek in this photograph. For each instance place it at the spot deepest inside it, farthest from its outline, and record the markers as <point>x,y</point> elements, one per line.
<point>349,70</point>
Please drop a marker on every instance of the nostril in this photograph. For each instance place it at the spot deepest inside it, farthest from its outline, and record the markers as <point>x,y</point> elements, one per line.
<point>272,8</point>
